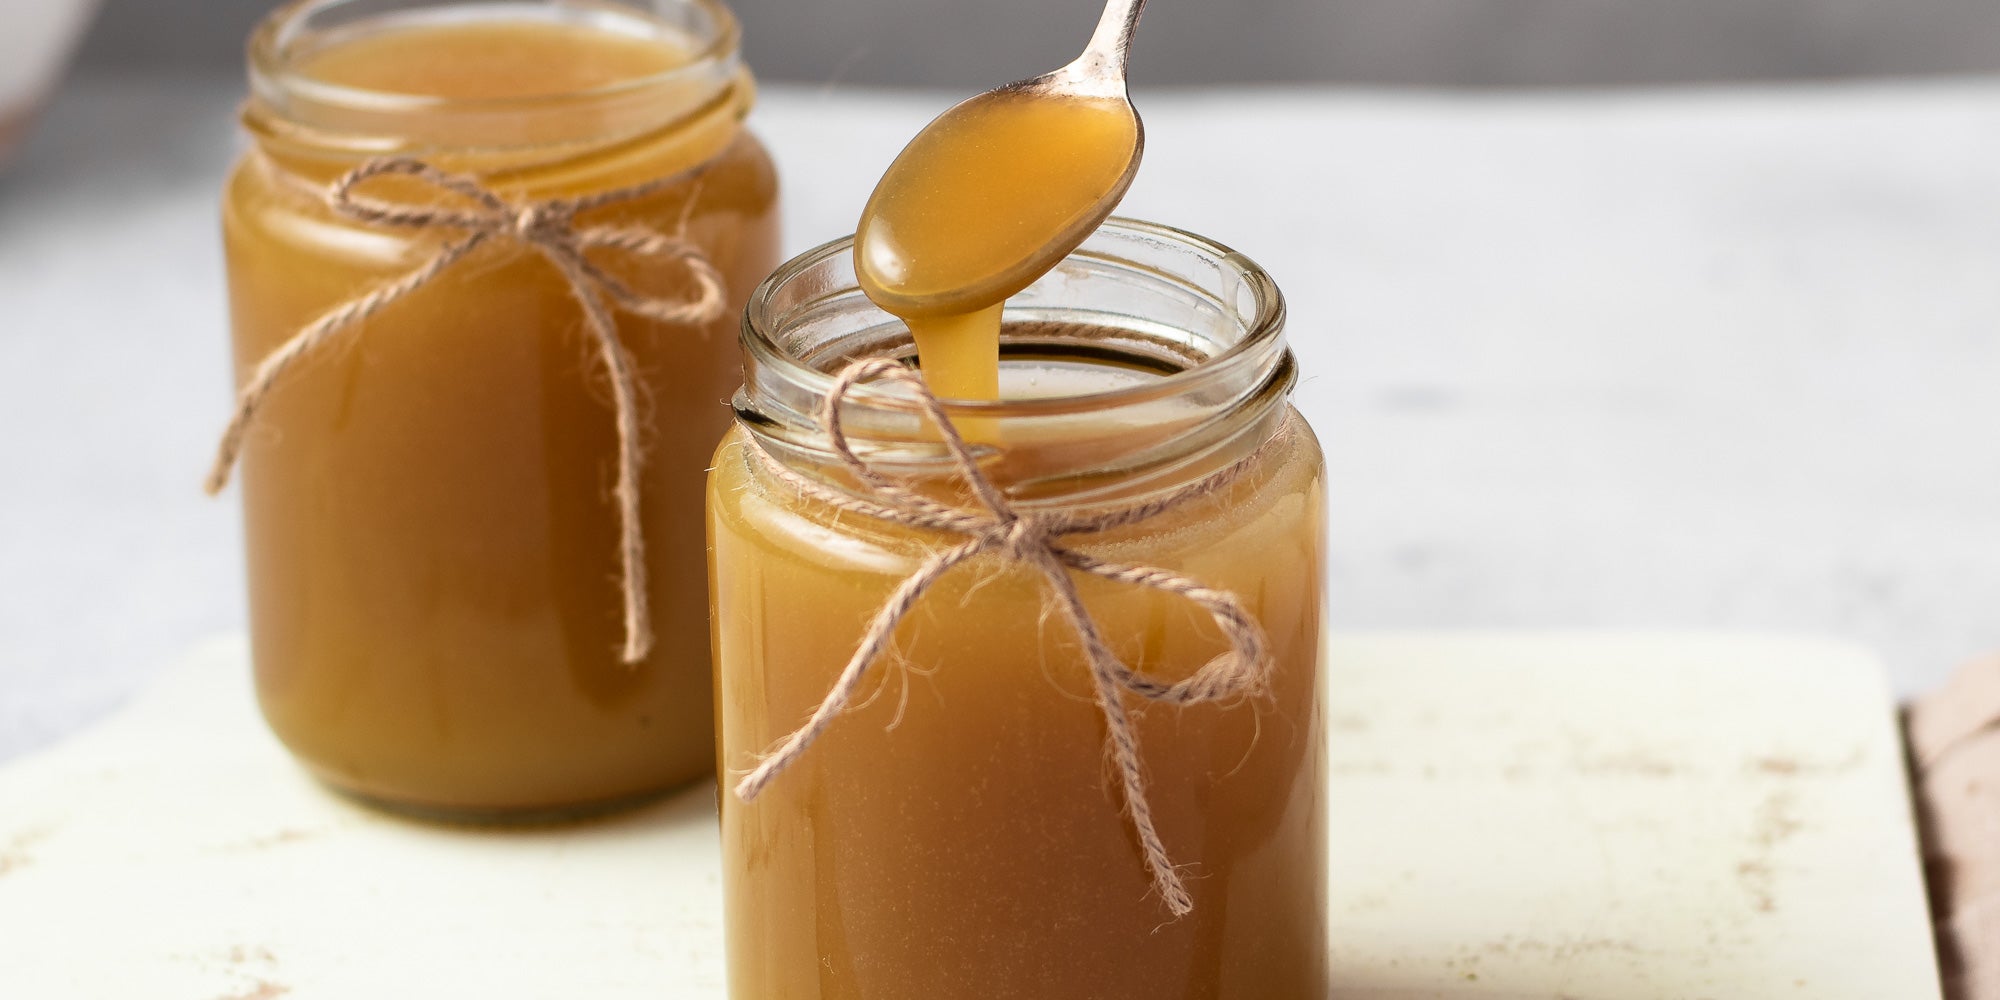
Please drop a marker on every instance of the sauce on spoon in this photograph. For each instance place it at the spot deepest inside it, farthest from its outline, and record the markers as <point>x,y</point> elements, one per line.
<point>989,197</point>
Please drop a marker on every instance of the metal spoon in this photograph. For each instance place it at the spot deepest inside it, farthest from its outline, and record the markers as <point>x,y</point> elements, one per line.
<point>1100,70</point>
<point>998,189</point>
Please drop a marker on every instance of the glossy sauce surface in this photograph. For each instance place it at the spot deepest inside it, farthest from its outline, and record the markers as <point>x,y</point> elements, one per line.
<point>976,207</point>
<point>432,546</point>
<point>493,60</point>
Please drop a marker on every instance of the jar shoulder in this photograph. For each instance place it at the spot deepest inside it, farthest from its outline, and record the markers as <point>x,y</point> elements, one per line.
<point>1277,504</point>
<point>267,208</point>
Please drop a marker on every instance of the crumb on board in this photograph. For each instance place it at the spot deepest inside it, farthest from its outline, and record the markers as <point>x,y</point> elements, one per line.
<point>263,989</point>
<point>14,854</point>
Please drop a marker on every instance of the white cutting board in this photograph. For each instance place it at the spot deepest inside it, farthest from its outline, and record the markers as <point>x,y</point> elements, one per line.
<point>1608,817</point>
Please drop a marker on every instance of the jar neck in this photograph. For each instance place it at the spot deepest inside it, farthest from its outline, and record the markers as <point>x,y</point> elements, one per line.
<point>665,120</point>
<point>1146,359</point>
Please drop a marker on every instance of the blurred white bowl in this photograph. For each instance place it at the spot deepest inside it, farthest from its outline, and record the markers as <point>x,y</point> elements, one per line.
<point>36,37</point>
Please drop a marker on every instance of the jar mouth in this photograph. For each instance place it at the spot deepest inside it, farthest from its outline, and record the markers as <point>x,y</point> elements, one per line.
<point>275,45</point>
<point>1253,300</point>
<point>301,112</point>
<point>1146,355</point>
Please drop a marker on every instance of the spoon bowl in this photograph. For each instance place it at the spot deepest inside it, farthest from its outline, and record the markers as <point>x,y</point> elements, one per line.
<point>992,193</point>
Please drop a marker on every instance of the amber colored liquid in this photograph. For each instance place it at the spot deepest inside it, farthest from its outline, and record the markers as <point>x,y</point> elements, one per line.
<point>484,60</point>
<point>432,547</point>
<point>959,837</point>
<point>968,214</point>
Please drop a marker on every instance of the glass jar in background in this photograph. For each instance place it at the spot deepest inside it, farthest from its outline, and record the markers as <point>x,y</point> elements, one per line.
<point>957,829</point>
<point>437,613</point>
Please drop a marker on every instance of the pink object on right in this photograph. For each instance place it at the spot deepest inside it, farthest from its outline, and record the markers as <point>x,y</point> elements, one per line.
<point>1954,736</point>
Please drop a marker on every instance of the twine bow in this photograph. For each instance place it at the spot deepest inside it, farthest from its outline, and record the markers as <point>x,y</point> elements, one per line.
<point>1032,539</point>
<point>550,229</point>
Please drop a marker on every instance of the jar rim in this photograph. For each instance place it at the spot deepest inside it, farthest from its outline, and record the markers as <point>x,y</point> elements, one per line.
<point>1261,343</point>
<point>272,68</point>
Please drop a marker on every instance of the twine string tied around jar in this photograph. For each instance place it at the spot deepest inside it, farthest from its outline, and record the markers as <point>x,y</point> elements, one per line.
<point>1033,539</point>
<point>551,229</point>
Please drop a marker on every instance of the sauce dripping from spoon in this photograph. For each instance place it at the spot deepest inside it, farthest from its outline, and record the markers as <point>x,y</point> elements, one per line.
<point>990,196</point>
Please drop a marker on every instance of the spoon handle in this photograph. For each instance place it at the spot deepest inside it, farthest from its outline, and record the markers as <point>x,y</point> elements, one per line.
<point>1104,58</point>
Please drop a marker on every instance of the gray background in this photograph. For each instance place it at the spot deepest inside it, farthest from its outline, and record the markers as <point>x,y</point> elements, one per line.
<point>974,43</point>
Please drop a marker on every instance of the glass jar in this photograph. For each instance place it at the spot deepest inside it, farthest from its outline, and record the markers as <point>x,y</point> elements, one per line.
<point>961,828</point>
<point>436,533</point>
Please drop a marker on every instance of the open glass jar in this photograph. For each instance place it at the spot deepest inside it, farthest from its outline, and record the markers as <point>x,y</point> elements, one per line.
<point>962,826</point>
<point>443,492</point>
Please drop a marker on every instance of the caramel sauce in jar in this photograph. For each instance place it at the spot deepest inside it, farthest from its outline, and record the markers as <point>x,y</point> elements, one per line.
<point>957,831</point>
<point>433,546</point>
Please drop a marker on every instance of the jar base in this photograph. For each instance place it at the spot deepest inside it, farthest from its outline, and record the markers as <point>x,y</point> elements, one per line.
<point>448,814</point>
